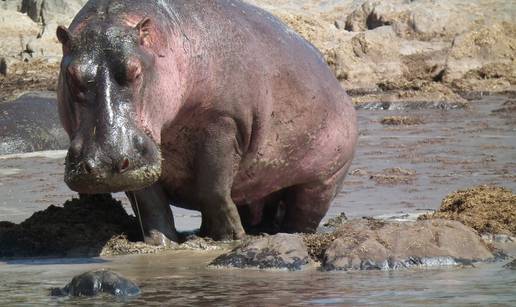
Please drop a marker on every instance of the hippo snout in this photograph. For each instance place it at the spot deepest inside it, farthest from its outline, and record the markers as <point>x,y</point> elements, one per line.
<point>124,164</point>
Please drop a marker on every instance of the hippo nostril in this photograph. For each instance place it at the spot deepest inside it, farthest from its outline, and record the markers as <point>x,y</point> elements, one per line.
<point>124,165</point>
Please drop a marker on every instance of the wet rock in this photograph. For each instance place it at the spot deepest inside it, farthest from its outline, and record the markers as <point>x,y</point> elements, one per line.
<point>281,251</point>
<point>508,109</point>
<point>376,245</point>
<point>98,282</point>
<point>511,265</point>
<point>31,123</point>
<point>487,209</point>
<point>336,221</point>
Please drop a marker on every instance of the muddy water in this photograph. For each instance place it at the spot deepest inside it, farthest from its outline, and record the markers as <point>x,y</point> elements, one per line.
<point>450,150</point>
<point>182,279</point>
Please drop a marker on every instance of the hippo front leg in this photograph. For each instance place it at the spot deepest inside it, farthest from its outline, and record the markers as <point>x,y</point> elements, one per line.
<point>152,209</point>
<point>216,164</point>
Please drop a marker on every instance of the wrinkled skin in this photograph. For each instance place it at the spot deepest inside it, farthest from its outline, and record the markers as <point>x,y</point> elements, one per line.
<point>213,105</point>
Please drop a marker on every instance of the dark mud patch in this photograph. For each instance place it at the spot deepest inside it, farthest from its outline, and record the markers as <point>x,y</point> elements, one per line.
<point>487,209</point>
<point>401,121</point>
<point>82,227</point>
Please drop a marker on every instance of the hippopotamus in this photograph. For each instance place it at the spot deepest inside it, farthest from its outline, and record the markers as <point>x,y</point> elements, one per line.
<point>209,105</point>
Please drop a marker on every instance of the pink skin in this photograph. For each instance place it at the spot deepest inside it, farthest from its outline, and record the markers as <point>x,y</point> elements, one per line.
<point>246,113</point>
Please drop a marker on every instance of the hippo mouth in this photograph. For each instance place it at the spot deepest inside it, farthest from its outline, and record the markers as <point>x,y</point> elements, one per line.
<point>79,179</point>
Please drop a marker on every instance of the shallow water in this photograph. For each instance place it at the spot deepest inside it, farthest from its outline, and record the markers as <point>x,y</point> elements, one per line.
<point>180,279</point>
<point>453,149</point>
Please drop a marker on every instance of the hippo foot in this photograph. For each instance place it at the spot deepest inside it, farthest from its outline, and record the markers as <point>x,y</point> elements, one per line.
<point>96,282</point>
<point>222,231</point>
<point>157,238</point>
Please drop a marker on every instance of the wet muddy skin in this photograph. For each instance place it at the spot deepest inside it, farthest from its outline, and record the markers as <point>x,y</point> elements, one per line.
<point>450,150</point>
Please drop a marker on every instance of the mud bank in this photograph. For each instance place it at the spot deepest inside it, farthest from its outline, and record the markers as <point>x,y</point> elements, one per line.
<point>82,227</point>
<point>99,226</point>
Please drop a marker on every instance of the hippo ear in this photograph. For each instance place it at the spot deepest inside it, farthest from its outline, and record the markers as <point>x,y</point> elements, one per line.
<point>65,38</point>
<point>144,30</point>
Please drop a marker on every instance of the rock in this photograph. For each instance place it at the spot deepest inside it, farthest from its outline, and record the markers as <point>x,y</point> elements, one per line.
<point>376,245</point>
<point>336,221</point>
<point>46,10</point>
<point>281,251</point>
<point>511,265</point>
<point>507,109</point>
<point>483,53</point>
<point>97,282</point>
<point>31,123</point>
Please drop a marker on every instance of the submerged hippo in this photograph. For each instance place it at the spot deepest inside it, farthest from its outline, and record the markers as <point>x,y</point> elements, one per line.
<point>210,105</point>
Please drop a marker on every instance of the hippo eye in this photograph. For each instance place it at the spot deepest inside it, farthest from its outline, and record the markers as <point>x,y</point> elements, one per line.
<point>77,85</point>
<point>134,70</point>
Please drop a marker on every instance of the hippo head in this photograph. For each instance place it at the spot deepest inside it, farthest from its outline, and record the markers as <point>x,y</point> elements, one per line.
<point>104,74</point>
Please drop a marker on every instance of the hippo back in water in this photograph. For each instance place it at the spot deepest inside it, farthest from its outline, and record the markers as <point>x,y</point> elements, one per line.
<point>210,105</point>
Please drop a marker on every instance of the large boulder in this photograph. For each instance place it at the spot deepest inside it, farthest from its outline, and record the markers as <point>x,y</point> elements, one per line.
<point>281,251</point>
<point>45,10</point>
<point>377,245</point>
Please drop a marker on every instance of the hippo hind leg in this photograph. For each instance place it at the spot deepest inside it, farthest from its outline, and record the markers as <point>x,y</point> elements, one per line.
<point>265,215</point>
<point>306,204</point>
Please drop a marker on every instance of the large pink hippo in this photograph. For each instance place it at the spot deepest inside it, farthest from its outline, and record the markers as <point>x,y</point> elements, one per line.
<point>210,105</point>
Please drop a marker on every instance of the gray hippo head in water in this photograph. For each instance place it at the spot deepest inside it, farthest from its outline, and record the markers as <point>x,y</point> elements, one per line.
<point>103,78</point>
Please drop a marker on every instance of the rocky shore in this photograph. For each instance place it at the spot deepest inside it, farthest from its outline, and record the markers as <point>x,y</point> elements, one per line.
<point>381,51</point>
<point>99,226</point>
